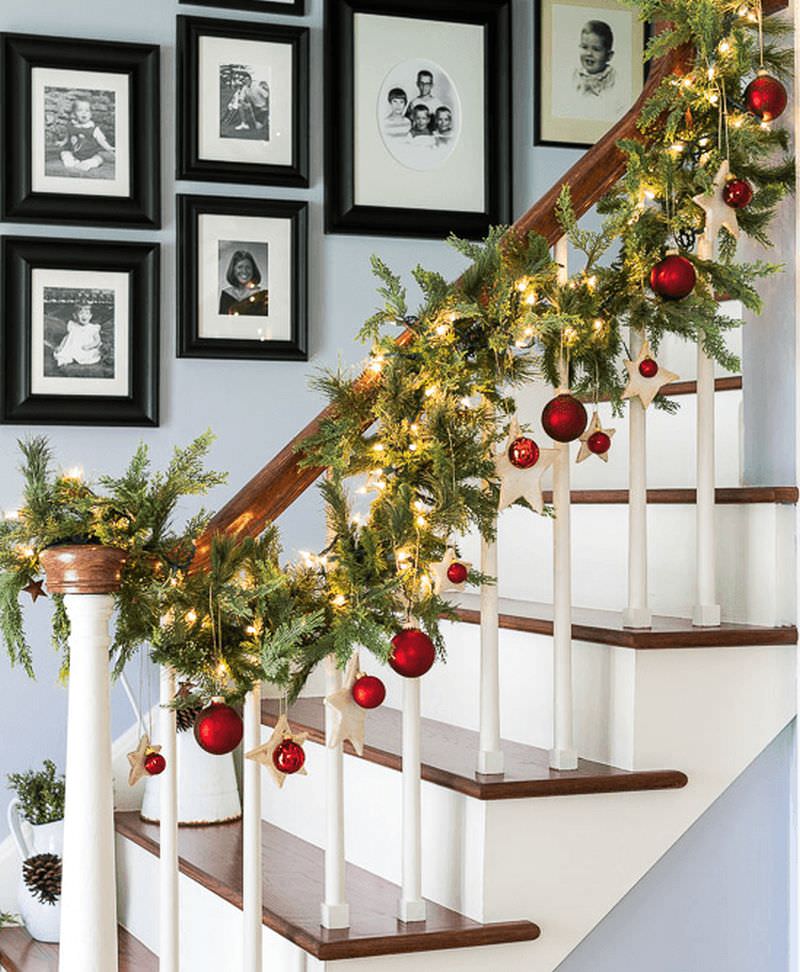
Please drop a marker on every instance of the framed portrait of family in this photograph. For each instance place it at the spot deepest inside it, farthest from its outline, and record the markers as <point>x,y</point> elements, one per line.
<point>80,335</point>
<point>589,69</point>
<point>296,7</point>
<point>80,127</point>
<point>242,266</point>
<point>417,116</point>
<point>242,102</point>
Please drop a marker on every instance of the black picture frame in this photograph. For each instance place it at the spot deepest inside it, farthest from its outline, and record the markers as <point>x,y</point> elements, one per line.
<point>342,214</point>
<point>20,54</point>
<point>190,343</point>
<point>20,256</point>
<point>190,165</point>
<point>296,8</point>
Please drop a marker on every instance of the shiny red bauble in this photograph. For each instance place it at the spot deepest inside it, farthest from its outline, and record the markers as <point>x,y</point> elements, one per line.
<point>288,757</point>
<point>564,418</point>
<point>523,453</point>
<point>598,443</point>
<point>674,277</point>
<point>413,653</point>
<point>154,764</point>
<point>457,573</point>
<point>218,729</point>
<point>737,193</point>
<point>648,368</point>
<point>368,691</point>
<point>765,97</point>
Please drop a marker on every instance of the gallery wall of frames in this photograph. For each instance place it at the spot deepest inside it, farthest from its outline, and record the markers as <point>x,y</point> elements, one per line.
<point>417,143</point>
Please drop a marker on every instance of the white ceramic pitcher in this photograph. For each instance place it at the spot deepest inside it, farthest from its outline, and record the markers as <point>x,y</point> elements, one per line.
<point>41,919</point>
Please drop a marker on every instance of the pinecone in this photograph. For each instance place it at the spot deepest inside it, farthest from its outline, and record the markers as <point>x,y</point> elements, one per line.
<point>42,876</point>
<point>185,716</point>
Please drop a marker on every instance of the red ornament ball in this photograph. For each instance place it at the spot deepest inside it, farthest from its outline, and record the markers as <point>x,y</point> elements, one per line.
<point>218,729</point>
<point>737,193</point>
<point>288,757</point>
<point>648,368</point>
<point>765,97</point>
<point>673,278</point>
<point>369,691</point>
<point>564,418</point>
<point>457,573</point>
<point>413,653</point>
<point>523,453</point>
<point>598,443</point>
<point>154,764</point>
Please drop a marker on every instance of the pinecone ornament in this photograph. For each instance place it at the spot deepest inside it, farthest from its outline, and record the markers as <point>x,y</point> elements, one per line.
<point>185,716</point>
<point>42,876</point>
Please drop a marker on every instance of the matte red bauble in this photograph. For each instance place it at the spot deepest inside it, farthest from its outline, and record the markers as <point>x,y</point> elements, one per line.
<point>218,729</point>
<point>154,764</point>
<point>457,573</point>
<point>413,653</point>
<point>288,757</point>
<point>673,278</point>
<point>564,418</point>
<point>648,368</point>
<point>765,97</point>
<point>598,443</point>
<point>737,193</point>
<point>369,691</point>
<point>523,453</point>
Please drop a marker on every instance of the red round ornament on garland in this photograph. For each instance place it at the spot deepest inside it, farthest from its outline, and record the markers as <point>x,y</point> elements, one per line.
<point>368,691</point>
<point>457,573</point>
<point>737,193</point>
<point>564,418</point>
<point>674,277</point>
<point>413,653</point>
<point>598,443</point>
<point>648,368</point>
<point>288,757</point>
<point>154,764</point>
<point>218,728</point>
<point>765,97</point>
<point>523,453</point>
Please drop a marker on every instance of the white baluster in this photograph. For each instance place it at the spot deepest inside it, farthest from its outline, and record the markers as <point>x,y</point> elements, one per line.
<point>411,907</point>
<point>706,611</point>
<point>490,755</point>
<point>335,909</point>
<point>169,911</point>
<point>252,877</point>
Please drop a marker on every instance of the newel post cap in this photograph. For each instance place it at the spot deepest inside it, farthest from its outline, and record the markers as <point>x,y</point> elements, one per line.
<point>83,568</point>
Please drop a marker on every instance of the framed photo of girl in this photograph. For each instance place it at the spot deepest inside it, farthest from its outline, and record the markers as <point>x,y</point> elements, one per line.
<point>242,290</point>
<point>417,116</point>
<point>589,69</point>
<point>80,127</point>
<point>242,102</point>
<point>80,334</point>
<point>295,7</point>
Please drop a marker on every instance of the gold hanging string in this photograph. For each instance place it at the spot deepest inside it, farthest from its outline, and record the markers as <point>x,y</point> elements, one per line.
<point>760,16</point>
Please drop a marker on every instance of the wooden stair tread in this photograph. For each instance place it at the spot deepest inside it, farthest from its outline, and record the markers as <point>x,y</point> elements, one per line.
<point>294,888</point>
<point>605,627</point>
<point>729,383</point>
<point>20,953</point>
<point>449,754</point>
<point>726,495</point>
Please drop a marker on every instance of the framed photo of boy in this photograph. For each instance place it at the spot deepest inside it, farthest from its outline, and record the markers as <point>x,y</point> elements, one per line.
<point>295,7</point>
<point>80,121</point>
<point>417,117</point>
<point>589,69</point>
<point>242,289</point>
<point>80,334</point>
<point>242,102</point>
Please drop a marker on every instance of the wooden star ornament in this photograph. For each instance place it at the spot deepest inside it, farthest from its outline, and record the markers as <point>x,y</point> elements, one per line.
<point>641,386</point>
<point>138,758</point>
<point>594,426</point>
<point>36,589</point>
<point>518,483</point>
<point>438,571</point>
<point>718,212</point>
<point>346,715</point>
<point>264,753</point>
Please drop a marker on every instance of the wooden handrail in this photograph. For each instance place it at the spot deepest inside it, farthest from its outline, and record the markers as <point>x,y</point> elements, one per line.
<point>281,481</point>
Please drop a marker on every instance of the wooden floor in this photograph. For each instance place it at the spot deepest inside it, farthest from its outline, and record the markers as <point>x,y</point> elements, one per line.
<point>294,887</point>
<point>20,953</point>
<point>449,755</point>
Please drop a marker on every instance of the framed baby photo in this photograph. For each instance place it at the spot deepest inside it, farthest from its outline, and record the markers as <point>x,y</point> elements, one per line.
<point>589,69</point>
<point>80,122</point>
<point>242,278</point>
<point>242,102</point>
<point>295,7</point>
<point>417,117</point>
<point>79,333</point>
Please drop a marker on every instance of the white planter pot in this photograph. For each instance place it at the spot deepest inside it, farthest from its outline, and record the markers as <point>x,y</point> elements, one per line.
<point>42,920</point>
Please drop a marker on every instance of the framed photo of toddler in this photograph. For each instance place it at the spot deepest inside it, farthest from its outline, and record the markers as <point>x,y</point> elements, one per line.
<point>242,289</point>
<point>79,340</point>
<point>589,69</point>
<point>417,117</point>
<point>80,127</point>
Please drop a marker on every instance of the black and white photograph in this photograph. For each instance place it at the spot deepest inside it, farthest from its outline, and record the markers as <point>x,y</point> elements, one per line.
<point>242,102</point>
<point>285,7</point>
<point>80,332</point>
<point>590,70</point>
<point>80,119</point>
<point>243,278</point>
<point>417,129</point>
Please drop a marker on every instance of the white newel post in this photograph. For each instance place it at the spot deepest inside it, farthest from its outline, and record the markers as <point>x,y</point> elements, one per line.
<point>252,877</point>
<point>490,755</point>
<point>706,610</point>
<point>637,613</point>
<point>335,909</point>
<point>169,910</point>
<point>412,906</point>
